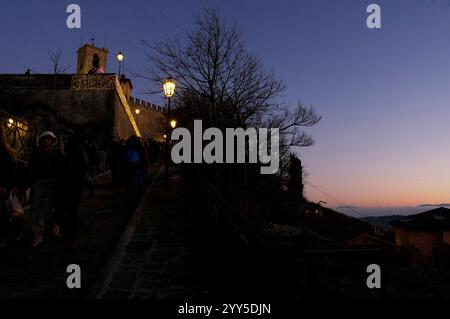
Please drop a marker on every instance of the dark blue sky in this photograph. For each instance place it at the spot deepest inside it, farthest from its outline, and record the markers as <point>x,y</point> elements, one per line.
<point>383,94</point>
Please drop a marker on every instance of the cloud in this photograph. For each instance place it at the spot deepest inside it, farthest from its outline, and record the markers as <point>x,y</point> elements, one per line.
<point>434,205</point>
<point>347,207</point>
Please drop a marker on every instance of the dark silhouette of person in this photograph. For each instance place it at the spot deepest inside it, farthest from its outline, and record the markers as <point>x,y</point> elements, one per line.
<point>7,159</point>
<point>45,163</point>
<point>136,166</point>
<point>70,185</point>
<point>117,165</point>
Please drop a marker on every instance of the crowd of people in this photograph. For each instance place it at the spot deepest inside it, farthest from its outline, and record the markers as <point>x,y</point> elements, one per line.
<point>53,182</point>
<point>130,162</point>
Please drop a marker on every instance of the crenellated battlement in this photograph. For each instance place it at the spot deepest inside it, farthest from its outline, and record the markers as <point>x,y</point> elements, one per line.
<point>138,103</point>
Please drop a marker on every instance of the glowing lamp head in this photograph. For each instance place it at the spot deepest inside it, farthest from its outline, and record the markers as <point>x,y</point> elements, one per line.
<point>173,124</point>
<point>120,57</point>
<point>169,87</point>
<point>138,111</point>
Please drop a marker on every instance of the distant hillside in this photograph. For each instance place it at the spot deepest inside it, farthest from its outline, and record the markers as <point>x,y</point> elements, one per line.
<point>336,225</point>
<point>382,221</point>
<point>323,221</point>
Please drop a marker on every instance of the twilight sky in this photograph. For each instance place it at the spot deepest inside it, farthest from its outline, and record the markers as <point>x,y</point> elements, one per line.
<point>384,94</point>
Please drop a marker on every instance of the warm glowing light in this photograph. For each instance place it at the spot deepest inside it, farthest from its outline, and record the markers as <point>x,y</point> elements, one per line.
<point>169,87</point>
<point>120,57</point>
<point>165,136</point>
<point>173,124</point>
<point>138,111</point>
<point>11,121</point>
<point>126,106</point>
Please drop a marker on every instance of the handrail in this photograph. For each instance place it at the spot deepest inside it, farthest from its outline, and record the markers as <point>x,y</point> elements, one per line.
<point>16,120</point>
<point>15,129</point>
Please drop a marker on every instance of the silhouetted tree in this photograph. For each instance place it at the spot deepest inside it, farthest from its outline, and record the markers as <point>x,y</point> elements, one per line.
<point>55,58</point>
<point>295,182</point>
<point>222,83</point>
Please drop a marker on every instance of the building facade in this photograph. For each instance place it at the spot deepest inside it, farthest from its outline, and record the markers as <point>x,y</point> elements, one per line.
<point>93,103</point>
<point>426,236</point>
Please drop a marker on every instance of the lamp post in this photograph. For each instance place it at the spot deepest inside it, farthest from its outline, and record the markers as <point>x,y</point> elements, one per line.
<point>173,125</point>
<point>137,111</point>
<point>120,58</point>
<point>169,90</point>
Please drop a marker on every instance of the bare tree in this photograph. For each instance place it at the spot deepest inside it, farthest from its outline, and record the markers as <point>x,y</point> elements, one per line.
<point>55,58</point>
<point>221,81</point>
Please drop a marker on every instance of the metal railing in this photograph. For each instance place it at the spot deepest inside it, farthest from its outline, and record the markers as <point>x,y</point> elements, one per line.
<point>19,134</point>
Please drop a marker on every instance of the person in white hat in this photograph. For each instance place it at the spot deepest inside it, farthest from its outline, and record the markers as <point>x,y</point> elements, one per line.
<point>46,163</point>
<point>50,137</point>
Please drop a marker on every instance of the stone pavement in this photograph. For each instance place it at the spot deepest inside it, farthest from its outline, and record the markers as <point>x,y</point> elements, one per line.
<point>152,261</point>
<point>41,272</point>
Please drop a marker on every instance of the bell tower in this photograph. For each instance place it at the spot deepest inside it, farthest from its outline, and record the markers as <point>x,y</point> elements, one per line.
<point>91,59</point>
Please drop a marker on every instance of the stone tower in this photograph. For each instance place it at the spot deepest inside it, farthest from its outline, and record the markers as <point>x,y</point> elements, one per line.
<point>91,58</point>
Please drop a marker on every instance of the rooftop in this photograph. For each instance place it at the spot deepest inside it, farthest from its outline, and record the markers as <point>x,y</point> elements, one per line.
<point>436,219</point>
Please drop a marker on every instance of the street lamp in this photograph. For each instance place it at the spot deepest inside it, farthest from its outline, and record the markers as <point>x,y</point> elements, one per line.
<point>120,58</point>
<point>138,111</point>
<point>169,91</point>
<point>169,87</point>
<point>173,124</point>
